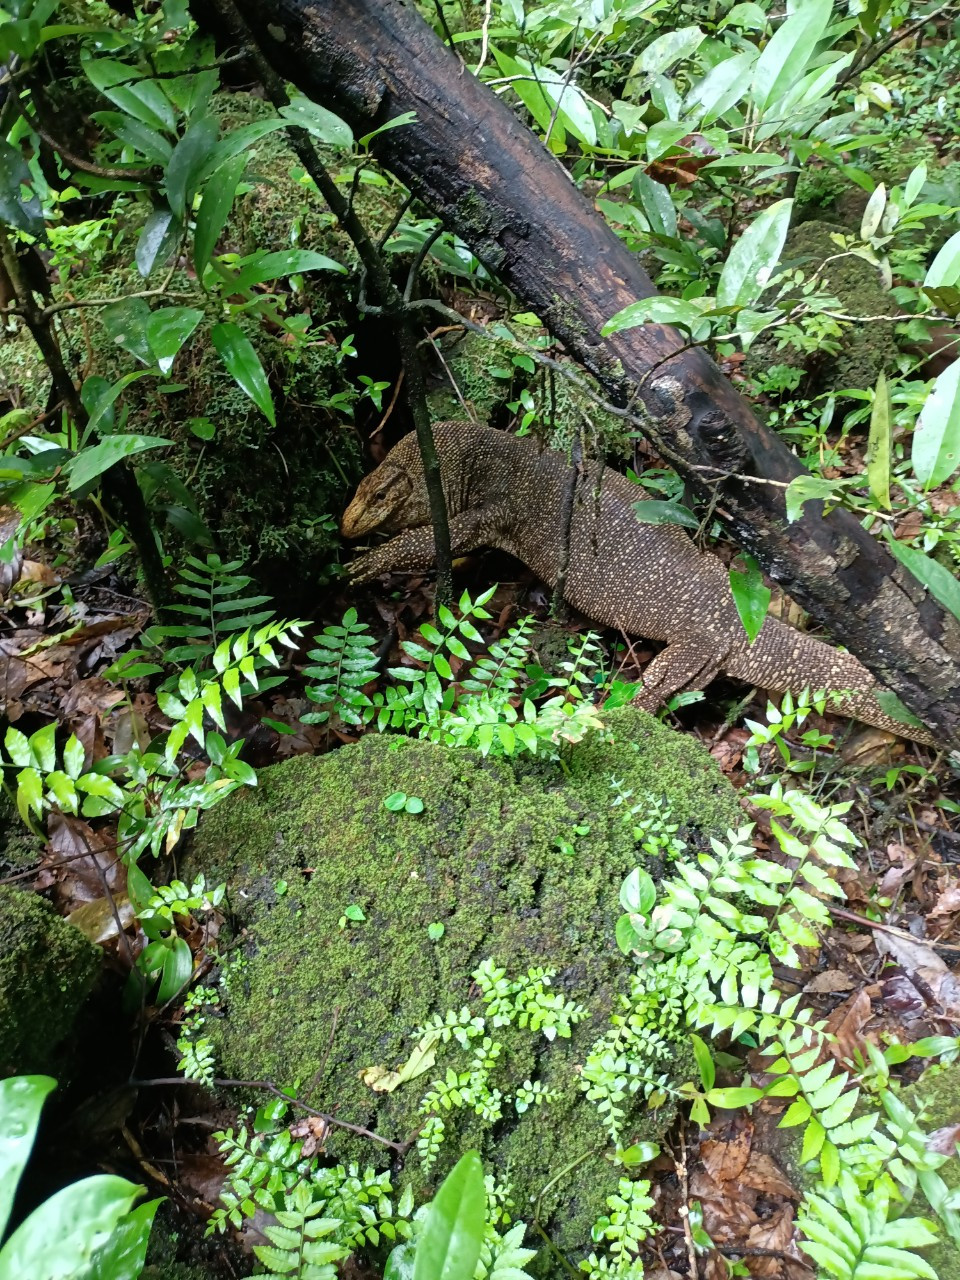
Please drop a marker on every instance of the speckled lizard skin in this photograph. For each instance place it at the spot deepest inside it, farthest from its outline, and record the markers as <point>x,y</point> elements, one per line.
<point>648,580</point>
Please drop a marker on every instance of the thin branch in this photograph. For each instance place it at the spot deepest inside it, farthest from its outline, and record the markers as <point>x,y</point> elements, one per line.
<point>267,1086</point>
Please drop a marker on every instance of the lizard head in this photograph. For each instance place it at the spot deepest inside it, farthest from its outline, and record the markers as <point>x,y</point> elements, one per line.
<point>388,500</point>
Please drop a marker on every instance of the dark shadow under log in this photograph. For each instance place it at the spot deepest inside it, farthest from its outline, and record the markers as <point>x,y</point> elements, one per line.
<point>489,179</point>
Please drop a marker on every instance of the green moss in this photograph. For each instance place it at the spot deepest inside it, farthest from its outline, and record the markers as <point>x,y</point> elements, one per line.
<point>866,349</point>
<point>318,1002</point>
<point>47,969</point>
<point>471,361</point>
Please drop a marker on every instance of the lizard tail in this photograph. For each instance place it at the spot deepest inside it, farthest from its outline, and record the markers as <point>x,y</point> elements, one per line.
<point>790,661</point>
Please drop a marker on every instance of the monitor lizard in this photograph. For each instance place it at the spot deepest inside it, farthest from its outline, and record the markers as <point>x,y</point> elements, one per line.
<point>649,580</point>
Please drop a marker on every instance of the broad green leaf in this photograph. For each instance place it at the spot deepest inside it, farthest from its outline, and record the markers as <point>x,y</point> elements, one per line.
<point>21,1101</point>
<point>751,596</point>
<point>22,212</point>
<point>656,200</point>
<point>29,793</point>
<point>151,144</point>
<point>938,579</point>
<point>879,444</point>
<point>721,88</point>
<point>638,893</point>
<point>43,747</point>
<point>73,757</point>
<point>93,462</point>
<point>755,256</point>
<point>732,1098</point>
<point>660,137</point>
<point>747,16</point>
<point>18,747</point>
<point>167,330</point>
<point>803,489</point>
<point>529,89</point>
<point>914,185</point>
<point>215,206</point>
<point>449,1245</point>
<point>98,398</point>
<point>157,239</point>
<point>323,124</point>
<point>787,54</point>
<point>243,364</point>
<point>673,311</point>
<point>704,1060</point>
<point>126,323</point>
<point>945,268</point>
<point>873,213</point>
<point>123,1255</point>
<point>235,142</point>
<point>935,451</point>
<point>186,162</point>
<point>177,968</point>
<point>70,1225</point>
<point>271,266</point>
<point>662,53</point>
<point>142,99</point>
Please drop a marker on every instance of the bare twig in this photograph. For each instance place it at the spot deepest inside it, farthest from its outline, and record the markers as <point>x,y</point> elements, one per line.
<point>267,1086</point>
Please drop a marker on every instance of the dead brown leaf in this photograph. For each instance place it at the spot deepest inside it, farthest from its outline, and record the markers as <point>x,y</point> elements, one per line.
<point>725,1160</point>
<point>774,1233</point>
<point>948,901</point>
<point>830,980</point>
<point>846,1023</point>
<point>81,864</point>
<point>926,970</point>
<point>728,1208</point>
<point>763,1174</point>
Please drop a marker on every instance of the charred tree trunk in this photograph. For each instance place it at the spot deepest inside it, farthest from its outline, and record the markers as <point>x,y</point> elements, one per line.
<point>469,158</point>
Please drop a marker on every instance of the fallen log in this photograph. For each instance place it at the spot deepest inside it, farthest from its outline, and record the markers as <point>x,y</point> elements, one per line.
<point>469,158</point>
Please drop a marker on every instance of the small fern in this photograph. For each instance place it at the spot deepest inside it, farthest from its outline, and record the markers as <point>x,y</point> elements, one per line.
<point>215,607</point>
<point>447,695</point>
<point>298,1248</point>
<point>342,664</point>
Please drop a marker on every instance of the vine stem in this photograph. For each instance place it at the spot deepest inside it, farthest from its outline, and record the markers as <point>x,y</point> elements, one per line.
<point>119,484</point>
<point>392,301</point>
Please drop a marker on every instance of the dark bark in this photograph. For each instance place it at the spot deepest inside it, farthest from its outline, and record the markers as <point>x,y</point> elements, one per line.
<point>470,159</point>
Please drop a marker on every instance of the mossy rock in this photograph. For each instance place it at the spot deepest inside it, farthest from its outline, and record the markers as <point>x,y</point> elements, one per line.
<point>938,1093</point>
<point>866,350</point>
<point>322,998</point>
<point>481,366</point>
<point>47,970</point>
<point>20,849</point>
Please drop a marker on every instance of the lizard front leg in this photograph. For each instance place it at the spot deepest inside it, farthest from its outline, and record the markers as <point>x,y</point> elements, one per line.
<point>690,663</point>
<point>413,551</point>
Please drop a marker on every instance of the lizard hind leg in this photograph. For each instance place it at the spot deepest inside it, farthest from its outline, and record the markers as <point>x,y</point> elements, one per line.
<point>690,663</point>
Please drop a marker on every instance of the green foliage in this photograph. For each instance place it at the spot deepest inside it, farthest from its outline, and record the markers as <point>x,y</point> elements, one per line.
<point>622,1232</point>
<point>89,1230</point>
<point>216,609</point>
<point>500,703</point>
<point>855,1238</point>
<point>525,1003</point>
<point>319,1215</point>
<point>448,1246</point>
<point>298,1247</point>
